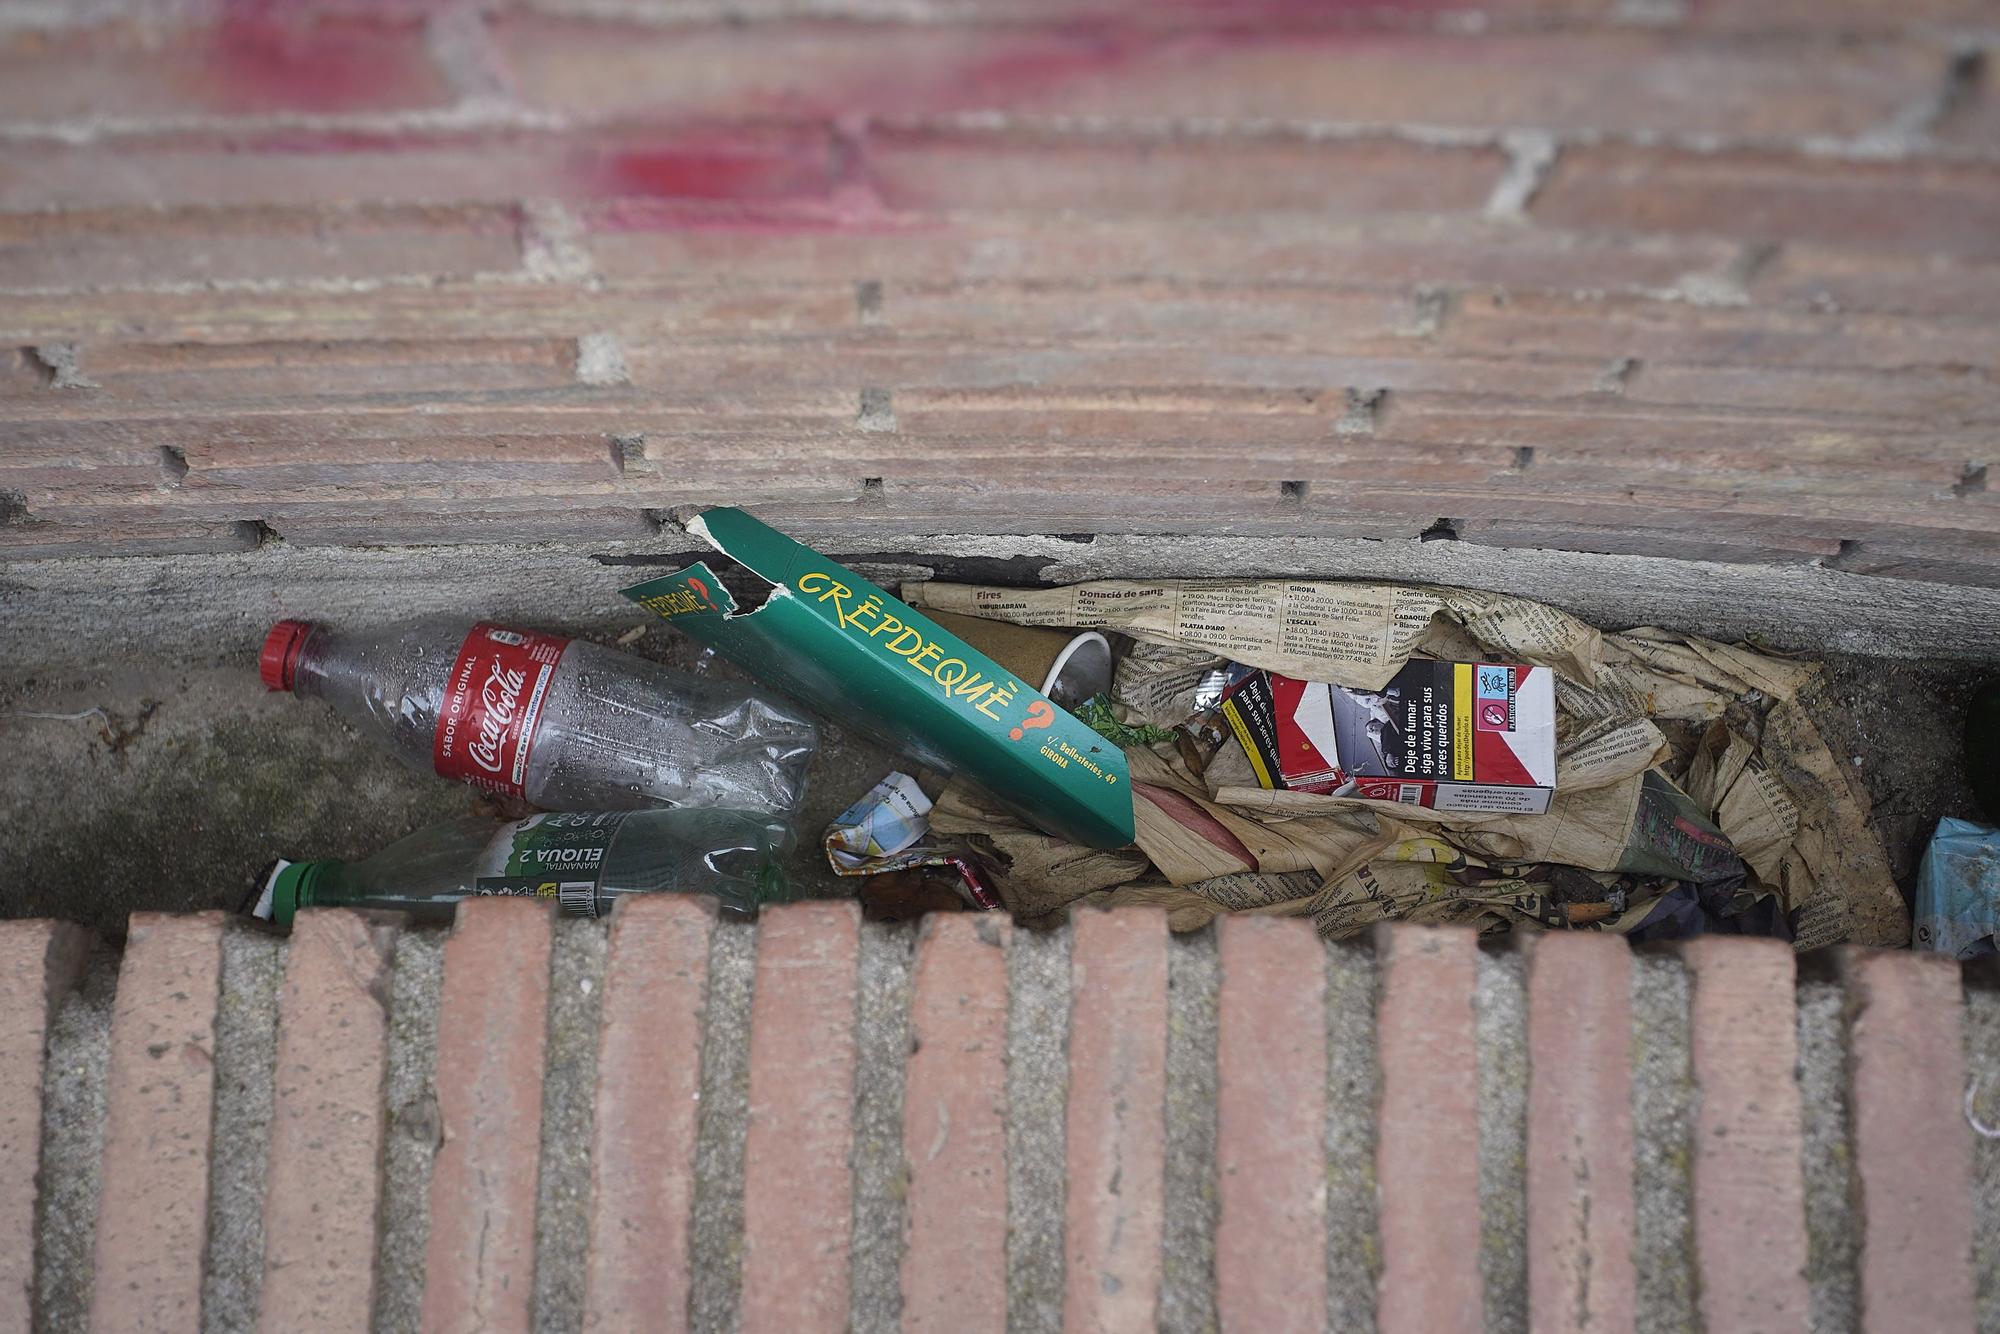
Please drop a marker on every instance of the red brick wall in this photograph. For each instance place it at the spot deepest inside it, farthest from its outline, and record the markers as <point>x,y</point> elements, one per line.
<point>1696,278</point>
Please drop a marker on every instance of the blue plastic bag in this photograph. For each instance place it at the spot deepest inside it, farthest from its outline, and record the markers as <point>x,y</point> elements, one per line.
<point>1958,891</point>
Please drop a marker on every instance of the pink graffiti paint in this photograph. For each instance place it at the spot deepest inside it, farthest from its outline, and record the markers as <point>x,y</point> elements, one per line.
<point>715,169</point>
<point>752,181</point>
<point>810,178</point>
<point>284,55</point>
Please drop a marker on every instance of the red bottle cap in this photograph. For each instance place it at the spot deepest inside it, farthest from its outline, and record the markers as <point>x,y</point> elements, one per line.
<point>280,658</point>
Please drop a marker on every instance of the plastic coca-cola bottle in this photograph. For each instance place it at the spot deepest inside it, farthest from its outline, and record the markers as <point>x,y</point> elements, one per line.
<point>561,723</point>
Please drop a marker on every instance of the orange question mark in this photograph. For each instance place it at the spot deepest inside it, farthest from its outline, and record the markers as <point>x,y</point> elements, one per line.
<point>1040,714</point>
<point>696,583</point>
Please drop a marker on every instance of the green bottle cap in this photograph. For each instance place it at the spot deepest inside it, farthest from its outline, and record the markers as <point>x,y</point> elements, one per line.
<point>292,889</point>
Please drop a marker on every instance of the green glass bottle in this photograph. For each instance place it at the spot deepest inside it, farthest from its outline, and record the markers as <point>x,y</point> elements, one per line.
<point>584,861</point>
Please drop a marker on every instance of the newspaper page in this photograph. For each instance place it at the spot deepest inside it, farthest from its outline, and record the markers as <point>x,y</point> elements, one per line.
<point>1649,673</point>
<point>1756,810</point>
<point>1608,753</point>
<point>1591,829</point>
<point>1836,852</point>
<point>1259,889</point>
<point>1717,763</point>
<point>1155,683</point>
<point>1351,634</point>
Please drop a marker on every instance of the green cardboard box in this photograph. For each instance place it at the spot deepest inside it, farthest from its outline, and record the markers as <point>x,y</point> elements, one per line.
<point>846,649</point>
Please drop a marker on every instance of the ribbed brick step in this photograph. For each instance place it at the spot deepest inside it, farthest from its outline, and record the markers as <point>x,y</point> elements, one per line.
<point>666,1123</point>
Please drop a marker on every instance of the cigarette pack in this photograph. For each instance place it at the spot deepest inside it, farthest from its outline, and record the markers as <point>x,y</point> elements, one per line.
<point>1454,736</point>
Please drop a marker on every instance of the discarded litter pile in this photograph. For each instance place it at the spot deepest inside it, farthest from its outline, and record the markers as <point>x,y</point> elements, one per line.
<point>1348,751</point>
<point>1691,790</point>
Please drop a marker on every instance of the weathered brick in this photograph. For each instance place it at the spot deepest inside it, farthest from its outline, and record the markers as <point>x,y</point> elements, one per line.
<point>763,178</point>
<point>1612,80</point>
<point>629,241</point>
<point>414,466</point>
<point>1623,476</point>
<point>1837,278</point>
<point>1198,15</point>
<point>1912,1150</point>
<point>152,1203</point>
<point>1610,431</point>
<point>1958,558</point>
<point>971,507</point>
<point>1427,1131</point>
<point>1833,16</point>
<point>451,524</point>
<point>252,379</point>
<point>492,1025</point>
<point>214,168</point>
<point>1135,312</point>
<point>1664,502</point>
<point>797,1205</point>
<point>157,248</point>
<point>1912,205</point>
<point>647,1114</point>
<point>420,322</point>
<point>1074,430</point>
<point>1114,1222</point>
<point>1109,367</point>
<point>955,1128</point>
<point>48,466</point>
<point>1749,1189</point>
<point>38,963</point>
<point>934,170</point>
<point>1580,1197</point>
<point>1974,121</point>
<point>1270,1126</point>
<point>323,1181</point>
<point>1941,395</point>
<point>1596,329</point>
<point>245,64</point>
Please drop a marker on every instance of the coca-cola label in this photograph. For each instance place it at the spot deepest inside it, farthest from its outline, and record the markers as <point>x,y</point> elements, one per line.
<point>492,701</point>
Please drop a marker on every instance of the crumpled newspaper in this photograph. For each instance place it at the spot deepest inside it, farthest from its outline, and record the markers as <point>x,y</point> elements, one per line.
<point>1669,747</point>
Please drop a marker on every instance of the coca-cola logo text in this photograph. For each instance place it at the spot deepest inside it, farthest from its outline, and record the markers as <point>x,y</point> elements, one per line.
<point>486,729</point>
<point>501,696</point>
